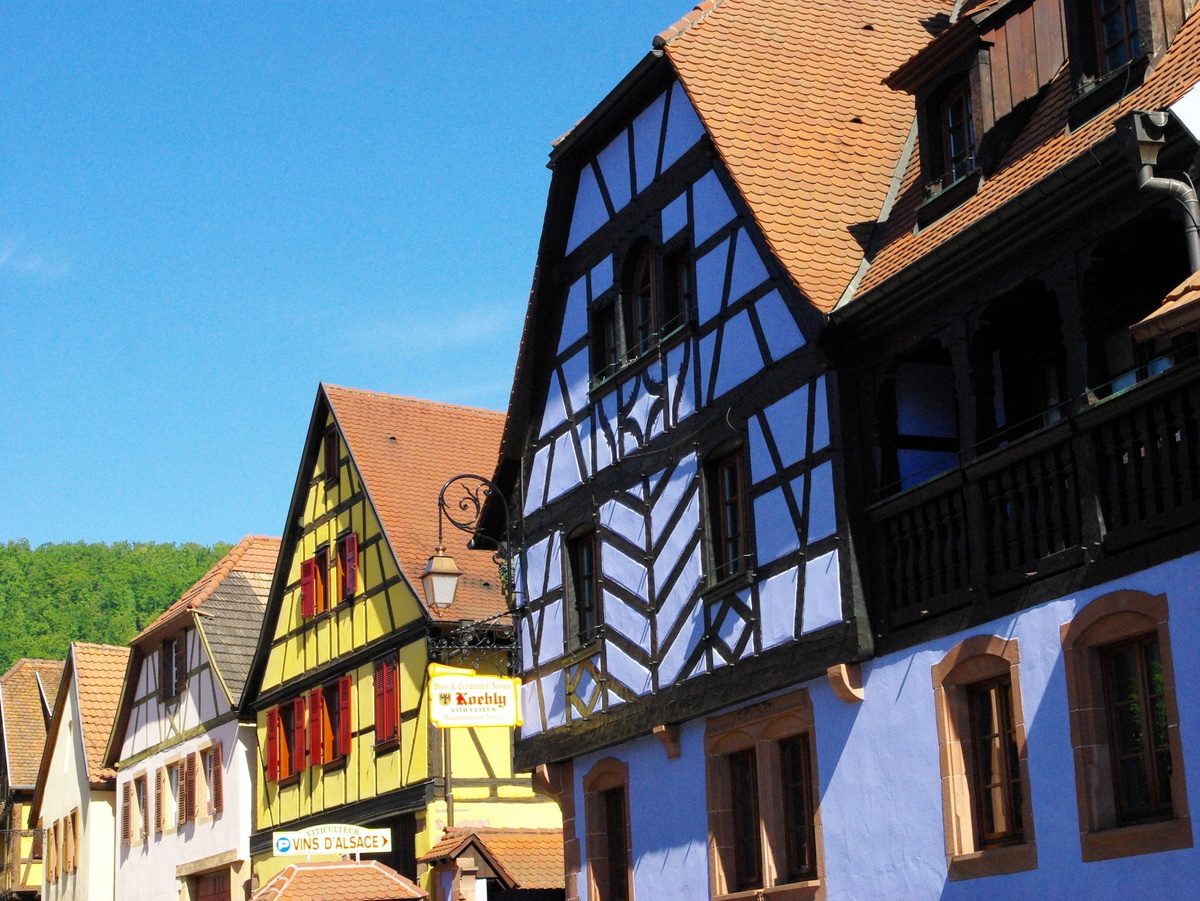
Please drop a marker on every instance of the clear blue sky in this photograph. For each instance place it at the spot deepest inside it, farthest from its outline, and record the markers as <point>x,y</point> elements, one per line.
<point>208,208</point>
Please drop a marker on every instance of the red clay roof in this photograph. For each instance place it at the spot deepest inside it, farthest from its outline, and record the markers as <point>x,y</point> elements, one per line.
<point>405,450</point>
<point>345,880</point>
<point>1043,147</point>
<point>99,675</point>
<point>1180,311</point>
<point>533,858</point>
<point>253,554</point>
<point>27,690</point>
<point>792,96</point>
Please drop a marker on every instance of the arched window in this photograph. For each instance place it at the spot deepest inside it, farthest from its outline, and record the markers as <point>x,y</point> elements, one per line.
<point>918,418</point>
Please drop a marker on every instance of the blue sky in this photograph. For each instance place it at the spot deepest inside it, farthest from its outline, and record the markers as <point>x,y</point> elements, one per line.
<point>208,208</point>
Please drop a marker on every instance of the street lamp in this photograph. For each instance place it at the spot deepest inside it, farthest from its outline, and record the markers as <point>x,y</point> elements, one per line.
<point>464,510</point>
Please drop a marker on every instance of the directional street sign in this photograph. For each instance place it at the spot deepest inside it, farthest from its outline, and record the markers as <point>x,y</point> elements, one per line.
<point>331,839</point>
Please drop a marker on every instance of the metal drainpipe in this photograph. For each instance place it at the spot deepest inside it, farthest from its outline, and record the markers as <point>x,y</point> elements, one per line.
<point>1185,194</point>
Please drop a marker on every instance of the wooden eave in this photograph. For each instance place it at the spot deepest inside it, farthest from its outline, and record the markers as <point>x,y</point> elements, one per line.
<point>933,61</point>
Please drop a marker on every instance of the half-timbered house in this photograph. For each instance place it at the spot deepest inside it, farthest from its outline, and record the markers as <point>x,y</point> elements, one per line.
<point>74,803</point>
<point>855,527</point>
<point>181,753</point>
<point>338,680</point>
<point>27,694</point>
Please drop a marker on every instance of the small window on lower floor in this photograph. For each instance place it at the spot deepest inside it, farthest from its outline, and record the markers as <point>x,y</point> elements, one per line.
<point>763,818</point>
<point>606,808</point>
<point>1131,788</point>
<point>985,778</point>
<point>583,559</point>
<point>727,514</point>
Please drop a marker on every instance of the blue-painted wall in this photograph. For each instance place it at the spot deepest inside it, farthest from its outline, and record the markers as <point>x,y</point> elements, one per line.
<point>879,777</point>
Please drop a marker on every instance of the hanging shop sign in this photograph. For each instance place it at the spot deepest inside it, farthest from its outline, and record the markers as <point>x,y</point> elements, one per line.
<point>459,697</point>
<point>334,838</point>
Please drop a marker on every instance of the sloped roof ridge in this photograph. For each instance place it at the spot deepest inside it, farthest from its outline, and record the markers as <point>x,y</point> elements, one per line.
<point>35,662</point>
<point>417,401</point>
<point>99,674</point>
<point>698,13</point>
<point>204,587</point>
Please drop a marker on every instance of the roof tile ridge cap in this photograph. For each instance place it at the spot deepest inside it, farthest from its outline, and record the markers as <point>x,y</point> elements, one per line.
<point>421,401</point>
<point>697,14</point>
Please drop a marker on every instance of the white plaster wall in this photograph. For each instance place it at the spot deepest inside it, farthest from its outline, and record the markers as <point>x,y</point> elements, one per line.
<point>152,721</point>
<point>66,790</point>
<point>147,871</point>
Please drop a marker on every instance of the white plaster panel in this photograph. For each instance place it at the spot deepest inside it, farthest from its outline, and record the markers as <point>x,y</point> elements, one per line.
<point>626,522</point>
<point>527,627</point>
<point>587,445</point>
<point>537,480</point>
<point>682,536</point>
<point>623,570</point>
<point>614,699</point>
<point>731,628</point>
<point>775,531</point>
<point>711,208</point>
<point>688,639</point>
<point>574,325</point>
<point>761,465</point>
<point>710,281</point>
<point>822,518</point>
<point>554,696</point>
<point>820,418</point>
<point>777,607</point>
<point>531,709</point>
<point>822,592</point>
<point>614,164</point>
<point>604,436</point>
<point>705,364</point>
<point>622,618</point>
<point>681,478</point>
<point>535,557</point>
<point>585,685</point>
<point>564,472</point>
<point>647,136</point>
<point>674,217</point>
<point>575,374</point>
<point>626,670</point>
<point>788,421</point>
<point>740,356</point>
<point>681,592</point>
<point>590,212</point>
<point>778,325</point>
<point>555,414</point>
<point>683,127</point>
<point>676,363</point>
<point>602,276</point>
<point>553,645</point>
<point>554,570</point>
<point>748,269</point>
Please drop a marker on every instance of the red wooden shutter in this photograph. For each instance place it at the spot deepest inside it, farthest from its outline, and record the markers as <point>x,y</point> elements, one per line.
<point>298,762</point>
<point>380,725</point>
<point>216,791</point>
<point>180,796</point>
<point>158,800</point>
<point>351,564</point>
<point>126,816</point>
<point>343,736</point>
<point>316,747</point>
<point>189,791</point>
<point>393,688</point>
<point>181,663</point>
<point>308,599</point>
<point>273,745</point>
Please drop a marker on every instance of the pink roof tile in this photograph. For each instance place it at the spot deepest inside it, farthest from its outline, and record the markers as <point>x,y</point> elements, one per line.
<point>344,880</point>
<point>27,691</point>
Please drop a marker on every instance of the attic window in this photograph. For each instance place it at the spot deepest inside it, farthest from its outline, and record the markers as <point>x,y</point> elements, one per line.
<point>332,456</point>
<point>1117,36</point>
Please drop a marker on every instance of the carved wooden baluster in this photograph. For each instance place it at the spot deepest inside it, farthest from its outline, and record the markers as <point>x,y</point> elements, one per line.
<point>1070,496</point>
<point>928,557</point>
<point>1151,468</point>
<point>1179,485</point>
<point>1128,456</point>
<point>1040,538</point>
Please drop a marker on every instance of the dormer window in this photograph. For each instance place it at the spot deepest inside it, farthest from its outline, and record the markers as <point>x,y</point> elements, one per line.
<point>1116,33</point>
<point>640,302</point>
<point>958,132</point>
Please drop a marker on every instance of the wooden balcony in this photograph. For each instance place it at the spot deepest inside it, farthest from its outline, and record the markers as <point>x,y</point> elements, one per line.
<point>1110,475</point>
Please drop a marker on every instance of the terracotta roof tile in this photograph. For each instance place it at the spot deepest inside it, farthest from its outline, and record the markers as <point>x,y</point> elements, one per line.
<point>345,880</point>
<point>533,858</point>
<point>27,691</point>
<point>253,554</point>
<point>99,676</point>
<point>1179,312</point>
<point>405,450</point>
<point>792,96</point>
<point>1043,148</point>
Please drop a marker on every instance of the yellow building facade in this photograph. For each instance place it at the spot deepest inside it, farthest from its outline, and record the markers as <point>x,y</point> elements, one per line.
<point>338,682</point>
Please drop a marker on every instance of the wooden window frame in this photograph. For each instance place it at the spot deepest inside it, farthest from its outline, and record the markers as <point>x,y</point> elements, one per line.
<point>138,831</point>
<point>172,667</point>
<point>1104,66</point>
<point>608,779</point>
<point>584,621</point>
<point>1107,621</point>
<point>387,703</point>
<point>347,566</point>
<point>331,456</point>
<point>287,751</point>
<point>329,734</point>
<point>972,663</point>
<point>764,728</point>
<point>725,566</point>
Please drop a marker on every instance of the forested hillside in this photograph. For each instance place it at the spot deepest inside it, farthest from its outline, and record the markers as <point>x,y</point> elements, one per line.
<point>57,593</point>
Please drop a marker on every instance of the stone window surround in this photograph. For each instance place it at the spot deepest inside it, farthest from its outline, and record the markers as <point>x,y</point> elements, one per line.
<point>607,774</point>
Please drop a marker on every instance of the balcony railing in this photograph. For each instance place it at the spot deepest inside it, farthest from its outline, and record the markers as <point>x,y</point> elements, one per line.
<point>1111,475</point>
